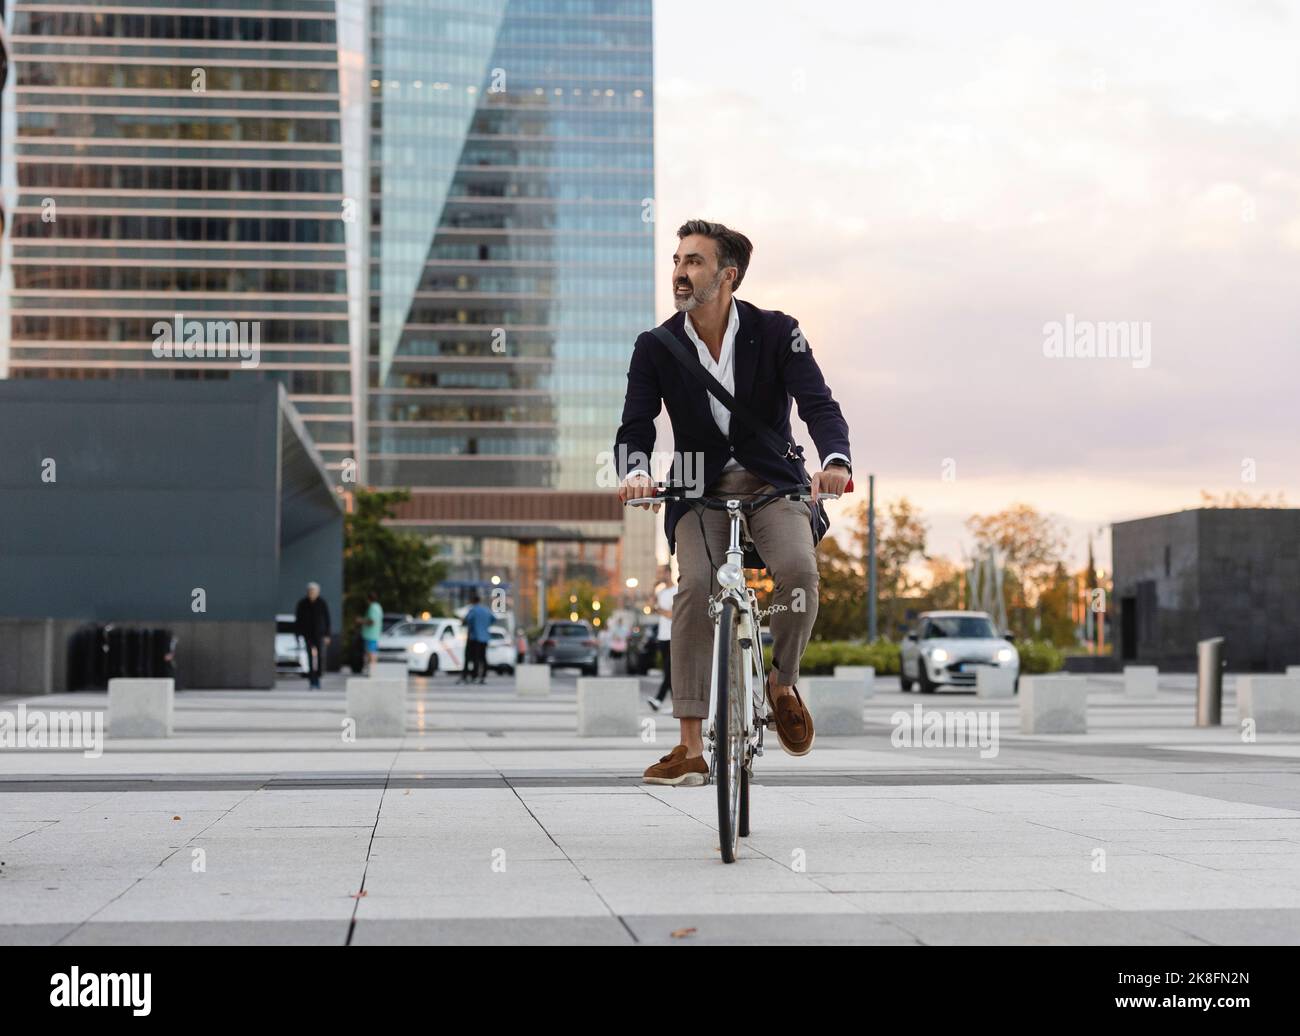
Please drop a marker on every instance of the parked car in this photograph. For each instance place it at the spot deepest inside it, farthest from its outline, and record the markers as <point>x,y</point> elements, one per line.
<point>642,653</point>
<point>947,648</point>
<point>568,643</point>
<point>501,650</point>
<point>391,619</point>
<point>425,645</point>
<point>290,651</point>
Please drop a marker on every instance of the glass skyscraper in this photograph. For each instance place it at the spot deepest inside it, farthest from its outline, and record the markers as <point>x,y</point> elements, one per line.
<point>436,213</point>
<point>511,249</point>
<point>197,164</point>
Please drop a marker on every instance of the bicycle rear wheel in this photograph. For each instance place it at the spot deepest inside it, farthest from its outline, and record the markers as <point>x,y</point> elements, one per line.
<point>729,740</point>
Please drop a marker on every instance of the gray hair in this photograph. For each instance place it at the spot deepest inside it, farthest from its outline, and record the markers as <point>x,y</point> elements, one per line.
<point>733,247</point>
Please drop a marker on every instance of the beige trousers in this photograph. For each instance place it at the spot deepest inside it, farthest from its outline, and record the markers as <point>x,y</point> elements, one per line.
<point>782,532</point>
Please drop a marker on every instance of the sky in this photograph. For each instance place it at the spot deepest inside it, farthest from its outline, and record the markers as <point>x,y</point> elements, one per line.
<point>930,187</point>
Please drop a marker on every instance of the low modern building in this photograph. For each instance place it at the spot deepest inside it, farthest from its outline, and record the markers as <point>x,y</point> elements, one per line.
<point>1209,572</point>
<point>200,507</point>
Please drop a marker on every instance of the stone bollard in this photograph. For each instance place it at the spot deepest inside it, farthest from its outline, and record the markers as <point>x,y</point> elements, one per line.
<point>1273,702</point>
<point>835,704</point>
<point>1053,704</point>
<point>993,681</point>
<point>607,706</point>
<point>1293,670</point>
<point>532,681</point>
<point>865,673</point>
<point>140,707</point>
<point>377,707</point>
<point>1140,681</point>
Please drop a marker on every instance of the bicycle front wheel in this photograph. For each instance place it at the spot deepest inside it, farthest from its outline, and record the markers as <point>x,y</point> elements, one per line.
<point>729,738</point>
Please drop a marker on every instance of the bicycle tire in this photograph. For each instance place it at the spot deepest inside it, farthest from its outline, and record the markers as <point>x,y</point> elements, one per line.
<point>728,743</point>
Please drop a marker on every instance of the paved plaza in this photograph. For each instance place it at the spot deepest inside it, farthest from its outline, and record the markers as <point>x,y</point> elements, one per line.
<point>492,822</point>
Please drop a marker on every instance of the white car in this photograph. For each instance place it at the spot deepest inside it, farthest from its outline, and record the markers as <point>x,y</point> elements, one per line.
<point>425,645</point>
<point>947,649</point>
<point>431,646</point>
<point>290,651</point>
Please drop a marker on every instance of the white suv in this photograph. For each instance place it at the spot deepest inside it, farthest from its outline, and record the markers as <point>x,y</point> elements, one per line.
<point>947,648</point>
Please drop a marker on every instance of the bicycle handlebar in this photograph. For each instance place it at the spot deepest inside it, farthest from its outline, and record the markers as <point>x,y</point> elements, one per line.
<point>801,494</point>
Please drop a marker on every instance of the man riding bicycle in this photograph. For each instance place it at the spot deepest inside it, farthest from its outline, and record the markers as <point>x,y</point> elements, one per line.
<point>760,357</point>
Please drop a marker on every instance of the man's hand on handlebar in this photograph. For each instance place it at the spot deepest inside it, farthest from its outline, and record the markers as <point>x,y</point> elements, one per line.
<point>635,486</point>
<point>830,481</point>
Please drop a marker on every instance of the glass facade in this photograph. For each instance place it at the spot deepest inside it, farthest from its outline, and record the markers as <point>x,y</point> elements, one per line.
<point>166,163</point>
<point>512,254</point>
<point>434,215</point>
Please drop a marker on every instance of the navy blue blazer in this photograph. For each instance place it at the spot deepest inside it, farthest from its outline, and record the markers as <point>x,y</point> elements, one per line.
<point>769,373</point>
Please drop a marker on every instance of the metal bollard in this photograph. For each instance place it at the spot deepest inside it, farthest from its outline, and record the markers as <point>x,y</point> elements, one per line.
<point>1209,682</point>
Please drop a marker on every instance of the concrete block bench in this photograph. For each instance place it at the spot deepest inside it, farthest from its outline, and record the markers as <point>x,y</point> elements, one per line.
<point>1140,681</point>
<point>377,707</point>
<point>532,681</point>
<point>835,703</point>
<point>865,673</point>
<point>1053,704</point>
<point>607,706</point>
<point>141,707</point>
<point>1273,702</point>
<point>993,681</point>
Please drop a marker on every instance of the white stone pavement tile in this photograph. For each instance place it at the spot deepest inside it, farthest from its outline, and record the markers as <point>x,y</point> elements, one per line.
<point>691,903</point>
<point>940,902</point>
<point>571,899</point>
<point>948,881</point>
<point>1051,928</point>
<point>56,899</point>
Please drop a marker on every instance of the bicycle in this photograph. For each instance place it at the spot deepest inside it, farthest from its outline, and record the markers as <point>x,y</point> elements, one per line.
<point>734,733</point>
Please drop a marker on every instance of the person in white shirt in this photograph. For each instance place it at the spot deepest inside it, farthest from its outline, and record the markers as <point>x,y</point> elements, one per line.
<point>764,360</point>
<point>664,594</point>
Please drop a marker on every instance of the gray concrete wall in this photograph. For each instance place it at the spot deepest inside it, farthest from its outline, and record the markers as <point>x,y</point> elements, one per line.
<point>1250,583</point>
<point>314,557</point>
<point>26,656</point>
<point>201,505</point>
<point>1168,601</point>
<point>157,491</point>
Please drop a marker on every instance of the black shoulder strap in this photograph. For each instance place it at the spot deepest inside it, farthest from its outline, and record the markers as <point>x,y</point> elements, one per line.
<point>692,364</point>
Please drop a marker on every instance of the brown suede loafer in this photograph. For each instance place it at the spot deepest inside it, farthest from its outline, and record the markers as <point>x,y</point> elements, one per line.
<point>676,769</point>
<point>794,723</point>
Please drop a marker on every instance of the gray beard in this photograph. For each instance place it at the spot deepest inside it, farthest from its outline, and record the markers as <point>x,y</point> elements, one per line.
<point>696,297</point>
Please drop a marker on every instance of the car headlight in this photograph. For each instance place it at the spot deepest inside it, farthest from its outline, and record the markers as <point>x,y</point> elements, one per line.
<point>939,655</point>
<point>419,648</point>
<point>1005,654</point>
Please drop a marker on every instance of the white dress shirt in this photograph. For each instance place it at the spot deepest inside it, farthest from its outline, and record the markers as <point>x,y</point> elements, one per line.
<point>724,369</point>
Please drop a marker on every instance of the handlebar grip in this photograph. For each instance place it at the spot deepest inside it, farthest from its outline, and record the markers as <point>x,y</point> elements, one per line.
<point>849,487</point>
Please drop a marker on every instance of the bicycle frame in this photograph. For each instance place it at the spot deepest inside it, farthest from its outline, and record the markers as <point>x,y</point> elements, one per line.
<point>748,632</point>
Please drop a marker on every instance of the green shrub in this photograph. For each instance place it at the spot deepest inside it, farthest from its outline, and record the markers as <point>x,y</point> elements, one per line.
<point>822,656</point>
<point>1040,656</point>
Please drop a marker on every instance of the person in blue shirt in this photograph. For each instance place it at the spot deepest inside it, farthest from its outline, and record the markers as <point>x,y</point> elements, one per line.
<point>478,620</point>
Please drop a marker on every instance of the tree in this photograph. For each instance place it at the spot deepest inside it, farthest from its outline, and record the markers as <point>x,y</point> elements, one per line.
<point>841,591</point>
<point>1240,498</point>
<point>1031,544</point>
<point>399,567</point>
<point>946,584</point>
<point>1055,604</point>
